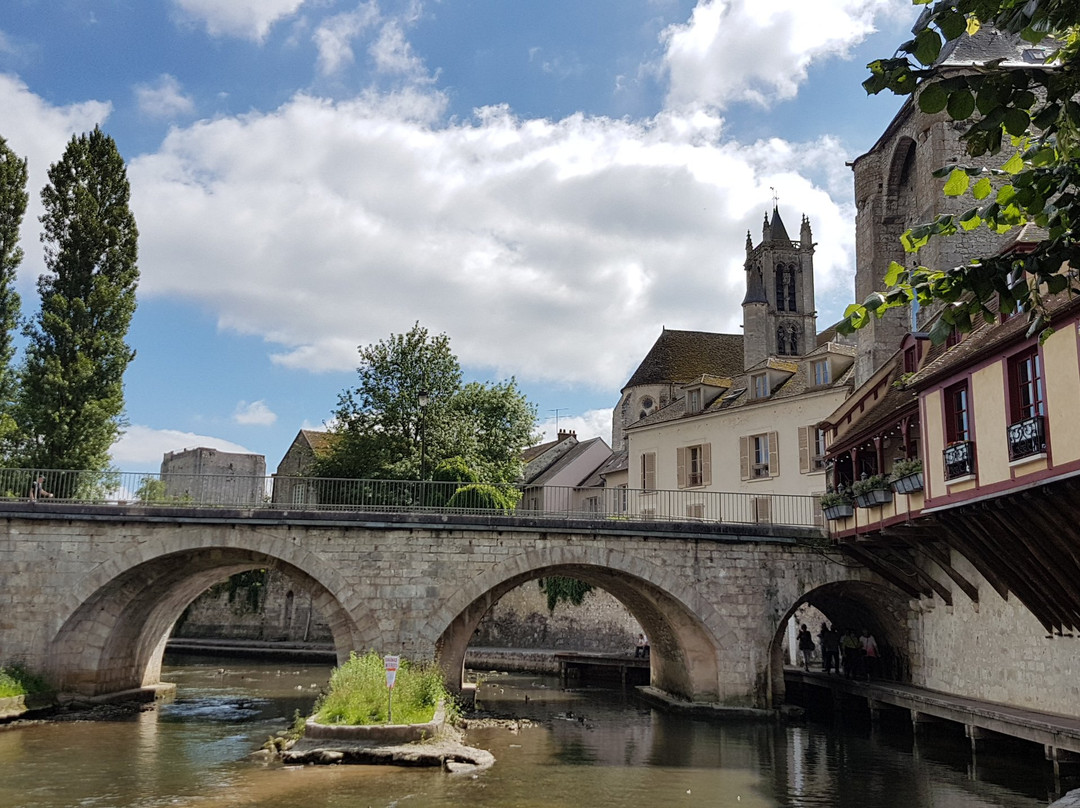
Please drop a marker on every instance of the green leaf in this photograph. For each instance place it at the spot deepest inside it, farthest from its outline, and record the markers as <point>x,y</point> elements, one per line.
<point>894,273</point>
<point>940,331</point>
<point>981,190</point>
<point>927,46</point>
<point>1005,194</point>
<point>952,24</point>
<point>1016,121</point>
<point>957,183</point>
<point>932,99</point>
<point>1014,165</point>
<point>961,105</point>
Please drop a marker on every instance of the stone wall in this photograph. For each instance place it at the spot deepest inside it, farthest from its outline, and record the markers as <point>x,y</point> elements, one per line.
<point>519,620</point>
<point>994,650</point>
<point>283,611</point>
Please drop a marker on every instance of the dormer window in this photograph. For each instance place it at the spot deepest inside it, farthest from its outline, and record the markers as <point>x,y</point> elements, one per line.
<point>761,385</point>
<point>693,400</point>
<point>821,372</point>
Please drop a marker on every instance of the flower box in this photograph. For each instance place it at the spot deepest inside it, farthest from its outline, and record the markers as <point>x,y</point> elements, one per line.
<point>874,497</point>
<point>909,483</point>
<point>841,511</point>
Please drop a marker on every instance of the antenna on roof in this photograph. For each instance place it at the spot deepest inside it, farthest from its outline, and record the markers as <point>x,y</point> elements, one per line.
<point>557,411</point>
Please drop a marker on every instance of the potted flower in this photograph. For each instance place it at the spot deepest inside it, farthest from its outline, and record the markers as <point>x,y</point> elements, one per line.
<point>872,491</point>
<point>836,504</point>
<point>907,476</point>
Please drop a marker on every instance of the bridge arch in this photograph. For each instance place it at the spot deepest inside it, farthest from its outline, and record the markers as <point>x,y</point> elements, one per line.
<point>686,633</point>
<point>854,604</point>
<point>117,618</point>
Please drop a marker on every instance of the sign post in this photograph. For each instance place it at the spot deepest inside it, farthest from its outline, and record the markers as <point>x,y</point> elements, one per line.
<point>391,665</point>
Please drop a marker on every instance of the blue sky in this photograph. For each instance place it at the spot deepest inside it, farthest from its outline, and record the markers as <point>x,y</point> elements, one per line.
<point>550,184</point>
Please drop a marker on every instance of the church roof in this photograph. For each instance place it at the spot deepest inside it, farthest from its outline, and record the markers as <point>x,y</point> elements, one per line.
<point>682,356</point>
<point>777,231</point>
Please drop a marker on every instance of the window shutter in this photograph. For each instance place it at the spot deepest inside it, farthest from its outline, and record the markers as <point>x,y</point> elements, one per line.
<point>762,509</point>
<point>648,471</point>
<point>680,466</point>
<point>744,457</point>
<point>804,449</point>
<point>774,454</point>
<point>706,464</point>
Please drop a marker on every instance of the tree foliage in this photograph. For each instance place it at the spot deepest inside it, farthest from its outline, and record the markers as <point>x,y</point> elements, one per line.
<point>1029,114</point>
<point>383,432</point>
<point>13,199</point>
<point>566,590</point>
<point>71,397</point>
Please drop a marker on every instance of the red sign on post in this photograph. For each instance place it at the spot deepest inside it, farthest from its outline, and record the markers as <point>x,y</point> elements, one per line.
<point>391,665</point>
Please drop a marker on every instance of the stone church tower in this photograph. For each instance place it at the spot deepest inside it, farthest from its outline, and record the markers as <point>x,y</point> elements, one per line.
<point>779,316</point>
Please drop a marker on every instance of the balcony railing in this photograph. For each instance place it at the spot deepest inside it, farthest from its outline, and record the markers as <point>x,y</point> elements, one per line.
<point>405,496</point>
<point>959,459</point>
<point>1027,437</point>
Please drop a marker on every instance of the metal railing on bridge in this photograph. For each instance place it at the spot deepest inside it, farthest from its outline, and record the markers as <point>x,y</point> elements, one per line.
<point>406,496</point>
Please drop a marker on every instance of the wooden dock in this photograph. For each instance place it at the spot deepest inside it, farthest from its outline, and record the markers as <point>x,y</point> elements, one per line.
<point>626,669</point>
<point>982,720</point>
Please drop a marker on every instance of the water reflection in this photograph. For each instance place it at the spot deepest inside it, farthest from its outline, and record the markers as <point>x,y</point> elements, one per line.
<point>589,747</point>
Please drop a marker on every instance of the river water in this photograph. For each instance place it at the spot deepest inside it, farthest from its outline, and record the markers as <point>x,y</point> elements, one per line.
<point>590,747</point>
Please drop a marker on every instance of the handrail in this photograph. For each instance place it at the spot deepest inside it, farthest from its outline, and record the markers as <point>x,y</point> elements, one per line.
<point>406,496</point>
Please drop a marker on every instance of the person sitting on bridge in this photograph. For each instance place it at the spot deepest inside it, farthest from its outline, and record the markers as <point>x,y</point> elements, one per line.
<point>37,489</point>
<point>642,649</point>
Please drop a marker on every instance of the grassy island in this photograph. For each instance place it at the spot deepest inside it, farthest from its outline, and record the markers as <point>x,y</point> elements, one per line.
<point>358,693</point>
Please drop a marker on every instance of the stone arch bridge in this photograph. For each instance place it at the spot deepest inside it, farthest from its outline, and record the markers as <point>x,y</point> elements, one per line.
<point>89,594</point>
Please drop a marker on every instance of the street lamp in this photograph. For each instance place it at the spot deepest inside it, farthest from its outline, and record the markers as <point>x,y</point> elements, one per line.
<point>422,399</point>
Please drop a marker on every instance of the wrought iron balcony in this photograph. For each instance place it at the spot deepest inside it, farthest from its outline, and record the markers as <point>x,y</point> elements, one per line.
<point>1027,437</point>
<point>959,459</point>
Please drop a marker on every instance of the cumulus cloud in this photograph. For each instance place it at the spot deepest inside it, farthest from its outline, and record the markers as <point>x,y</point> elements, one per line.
<point>334,36</point>
<point>588,425</point>
<point>574,241</point>
<point>142,447</point>
<point>248,19</point>
<point>761,50</point>
<point>163,99</point>
<point>257,413</point>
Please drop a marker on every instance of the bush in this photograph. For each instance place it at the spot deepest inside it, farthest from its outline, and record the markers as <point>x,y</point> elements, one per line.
<point>482,497</point>
<point>865,486</point>
<point>15,680</point>
<point>358,693</point>
<point>833,498</point>
<point>906,467</point>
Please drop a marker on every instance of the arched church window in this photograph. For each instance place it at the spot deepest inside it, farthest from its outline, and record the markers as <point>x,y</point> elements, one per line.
<point>779,287</point>
<point>792,305</point>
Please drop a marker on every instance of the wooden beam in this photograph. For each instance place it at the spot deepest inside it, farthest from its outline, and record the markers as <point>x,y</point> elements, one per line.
<point>936,556</point>
<point>970,547</point>
<point>867,558</point>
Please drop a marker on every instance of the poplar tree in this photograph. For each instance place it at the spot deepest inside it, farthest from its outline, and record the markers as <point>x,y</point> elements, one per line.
<point>72,393</point>
<point>13,199</point>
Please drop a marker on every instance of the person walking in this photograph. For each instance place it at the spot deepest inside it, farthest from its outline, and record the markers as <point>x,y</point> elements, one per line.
<point>870,653</point>
<point>830,649</point>
<point>806,646</point>
<point>851,650</point>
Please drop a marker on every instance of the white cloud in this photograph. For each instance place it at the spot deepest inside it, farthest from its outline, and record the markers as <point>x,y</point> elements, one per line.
<point>333,38</point>
<point>394,55</point>
<point>588,425</point>
<point>142,447</point>
<point>248,19</point>
<point>257,413</point>
<point>761,50</point>
<point>40,132</point>
<point>163,99</point>
<point>574,241</point>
